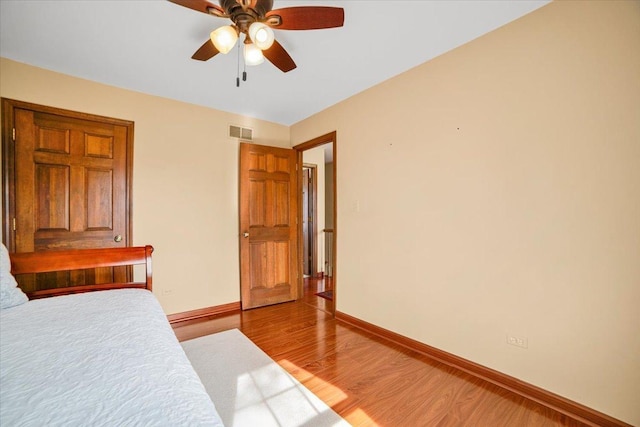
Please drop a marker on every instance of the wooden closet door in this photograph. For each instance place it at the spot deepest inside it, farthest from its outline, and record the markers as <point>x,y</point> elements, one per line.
<point>71,191</point>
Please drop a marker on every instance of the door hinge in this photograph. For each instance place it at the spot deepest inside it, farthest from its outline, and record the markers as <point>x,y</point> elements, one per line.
<point>13,224</point>
<point>13,134</point>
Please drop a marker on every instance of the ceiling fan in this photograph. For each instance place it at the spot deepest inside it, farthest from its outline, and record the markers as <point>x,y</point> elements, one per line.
<point>256,19</point>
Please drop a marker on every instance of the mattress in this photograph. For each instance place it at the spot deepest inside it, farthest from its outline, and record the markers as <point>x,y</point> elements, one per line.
<point>106,358</point>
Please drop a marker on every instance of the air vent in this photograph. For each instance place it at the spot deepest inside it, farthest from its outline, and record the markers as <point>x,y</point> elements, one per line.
<point>241,133</point>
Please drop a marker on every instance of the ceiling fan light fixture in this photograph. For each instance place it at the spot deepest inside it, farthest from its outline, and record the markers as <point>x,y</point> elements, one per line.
<point>253,54</point>
<point>224,38</point>
<point>261,35</point>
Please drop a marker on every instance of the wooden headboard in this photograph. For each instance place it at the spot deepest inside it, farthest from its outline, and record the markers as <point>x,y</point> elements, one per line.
<point>49,261</point>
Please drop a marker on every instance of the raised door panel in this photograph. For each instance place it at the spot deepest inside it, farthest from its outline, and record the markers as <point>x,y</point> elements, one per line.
<point>281,164</point>
<point>281,197</point>
<point>99,199</point>
<point>99,146</point>
<point>53,140</point>
<point>281,262</point>
<point>270,264</point>
<point>257,162</point>
<point>52,183</point>
<point>257,209</point>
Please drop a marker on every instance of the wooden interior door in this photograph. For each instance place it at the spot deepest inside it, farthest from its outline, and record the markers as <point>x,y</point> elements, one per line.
<point>70,189</point>
<point>268,225</point>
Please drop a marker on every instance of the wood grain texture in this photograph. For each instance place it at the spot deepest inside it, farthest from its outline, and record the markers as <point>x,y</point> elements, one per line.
<point>551,400</point>
<point>279,57</point>
<point>268,207</point>
<point>371,380</point>
<point>205,52</point>
<point>308,17</point>
<point>66,185</point>
<point>75,259</point>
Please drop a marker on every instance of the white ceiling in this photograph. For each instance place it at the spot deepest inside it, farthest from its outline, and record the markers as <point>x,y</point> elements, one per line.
<point>146,46</point>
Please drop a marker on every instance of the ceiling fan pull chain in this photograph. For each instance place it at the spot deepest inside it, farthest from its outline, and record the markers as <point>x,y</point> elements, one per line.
<point>244,72</point>
<point>244,67</point>
<point>238,70</point>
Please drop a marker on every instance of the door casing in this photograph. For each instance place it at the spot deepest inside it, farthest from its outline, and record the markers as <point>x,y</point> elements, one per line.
<point>331,138</point>
<point>9,167</point>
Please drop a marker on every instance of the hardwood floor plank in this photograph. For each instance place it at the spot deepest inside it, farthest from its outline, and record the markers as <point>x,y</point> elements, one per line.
<point>371,381</point>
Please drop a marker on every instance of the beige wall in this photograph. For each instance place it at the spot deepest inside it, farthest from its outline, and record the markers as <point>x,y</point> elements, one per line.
<point>185,196</point>
<point>496,190</point>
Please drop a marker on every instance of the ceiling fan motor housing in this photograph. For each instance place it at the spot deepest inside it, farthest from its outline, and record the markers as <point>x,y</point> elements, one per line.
<point>236,8</point>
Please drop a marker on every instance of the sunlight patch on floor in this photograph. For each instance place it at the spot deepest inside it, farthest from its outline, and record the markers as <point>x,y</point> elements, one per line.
<point>358,417</point>
<point>330,394</point>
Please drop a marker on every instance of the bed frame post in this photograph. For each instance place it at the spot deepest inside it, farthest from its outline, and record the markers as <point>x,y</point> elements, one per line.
<point>148,250</point>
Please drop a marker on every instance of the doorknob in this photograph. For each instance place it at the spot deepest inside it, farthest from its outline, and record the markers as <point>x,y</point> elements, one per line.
<point>118,238</point>
<point>245,234</point>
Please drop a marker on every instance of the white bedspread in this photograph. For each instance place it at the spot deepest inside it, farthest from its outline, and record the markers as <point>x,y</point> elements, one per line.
<point>102,358</point>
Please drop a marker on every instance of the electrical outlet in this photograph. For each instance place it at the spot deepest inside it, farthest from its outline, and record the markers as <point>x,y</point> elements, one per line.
<point>522,342</point>
<point>167,291</point>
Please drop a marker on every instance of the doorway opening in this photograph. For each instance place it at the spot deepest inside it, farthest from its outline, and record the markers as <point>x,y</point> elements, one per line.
<point>317,221</point>
<point>309,220</point>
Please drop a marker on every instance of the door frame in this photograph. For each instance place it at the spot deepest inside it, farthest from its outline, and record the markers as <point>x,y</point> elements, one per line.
<point>327,138</point>
<point>8,162</point>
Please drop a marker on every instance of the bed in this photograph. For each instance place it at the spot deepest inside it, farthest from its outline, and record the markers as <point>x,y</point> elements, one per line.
<point>93,358</point>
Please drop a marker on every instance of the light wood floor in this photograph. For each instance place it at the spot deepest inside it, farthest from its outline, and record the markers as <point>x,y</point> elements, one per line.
<point>368,380</point>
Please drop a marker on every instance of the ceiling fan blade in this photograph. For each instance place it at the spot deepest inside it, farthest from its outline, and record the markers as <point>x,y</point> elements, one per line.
<point>279,57</point>
<point>308,17</point>
<point>206,51</point>
<point>201,6</point>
